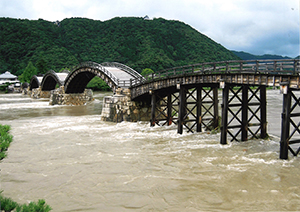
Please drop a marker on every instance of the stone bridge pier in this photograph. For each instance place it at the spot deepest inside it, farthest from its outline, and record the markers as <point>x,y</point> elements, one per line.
<point>38,93</point>
<point>59,97</point>
<point>119,107</point>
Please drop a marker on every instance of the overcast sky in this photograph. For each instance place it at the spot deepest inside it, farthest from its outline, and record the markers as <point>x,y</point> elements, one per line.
<point>255,26</point>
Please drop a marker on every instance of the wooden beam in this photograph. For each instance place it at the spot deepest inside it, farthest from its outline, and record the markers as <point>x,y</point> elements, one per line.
<point>224,124</point>
<point>285,125</point>
<point>263,111</point>
<point>199,109</point>
<point>182,106</point>
<point>245,112</point>
<point>153,109</point>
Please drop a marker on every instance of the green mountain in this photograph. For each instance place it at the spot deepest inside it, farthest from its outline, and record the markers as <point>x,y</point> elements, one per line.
<point>136,42</point>
<point>248,56</point>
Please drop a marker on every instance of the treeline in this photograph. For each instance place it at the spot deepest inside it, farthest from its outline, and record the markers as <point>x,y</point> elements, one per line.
<point>248,56</point>
<point>138,43</point>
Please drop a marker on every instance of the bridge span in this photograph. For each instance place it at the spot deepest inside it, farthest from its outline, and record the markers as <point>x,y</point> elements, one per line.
<point>114,74</point>
<point>188,96</point>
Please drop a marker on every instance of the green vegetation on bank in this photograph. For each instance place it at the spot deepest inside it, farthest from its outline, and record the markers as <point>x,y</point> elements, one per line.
<point>7,204</point>
<point>5,140</point>
<point>155,44</point>
<point>4,86</point>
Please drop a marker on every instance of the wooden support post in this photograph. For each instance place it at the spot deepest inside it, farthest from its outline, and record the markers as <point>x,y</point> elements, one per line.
<point>224,124</point>
<point>182,110</point>
<point>153,108</point>
<point>169,109</point>
<point>244,113</point>
<point>263,111</point>
<point>216,107</point>
<point>285,125</point>
<point>199,109</point>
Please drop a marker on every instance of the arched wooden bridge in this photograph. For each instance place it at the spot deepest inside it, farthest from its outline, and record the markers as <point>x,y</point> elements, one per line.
<point>188,95</point>
<point>114,74</point>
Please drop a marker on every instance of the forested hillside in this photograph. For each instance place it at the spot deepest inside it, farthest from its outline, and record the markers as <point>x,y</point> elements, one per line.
<point>138,43</point>
<point>247,56</point>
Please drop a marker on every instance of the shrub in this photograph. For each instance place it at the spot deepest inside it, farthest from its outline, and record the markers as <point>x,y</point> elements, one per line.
<point>5,140</point>
<point>40,206</point>
<point>8,205</point>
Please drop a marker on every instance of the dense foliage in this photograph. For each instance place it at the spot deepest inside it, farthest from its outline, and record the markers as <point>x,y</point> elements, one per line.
<point>7,205</point>
<point>98,84</point>
<point>138,43</point>
<point>5,140</point>
<point>29,71</point>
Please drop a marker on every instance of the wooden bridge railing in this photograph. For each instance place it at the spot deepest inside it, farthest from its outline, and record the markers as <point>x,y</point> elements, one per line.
<point>274,67</point>
<point>94,65</point>
<point>123,67</point>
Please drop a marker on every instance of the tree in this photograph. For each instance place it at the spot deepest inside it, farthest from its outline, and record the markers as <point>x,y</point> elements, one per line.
<point>146,72</point>
<point>97,84</point>
<point>29,71</point>
<point>42,66</point>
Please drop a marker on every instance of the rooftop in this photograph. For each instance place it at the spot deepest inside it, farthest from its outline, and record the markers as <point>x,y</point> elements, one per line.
<point>8,75</point>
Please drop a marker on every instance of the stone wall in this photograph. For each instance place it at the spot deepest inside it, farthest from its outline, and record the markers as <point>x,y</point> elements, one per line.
<point>59,97</point>
<point>37,93</point>
<point>119,107</point>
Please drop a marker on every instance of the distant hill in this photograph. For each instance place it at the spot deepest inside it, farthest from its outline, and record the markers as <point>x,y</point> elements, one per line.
<point>248,56</point>
<point>136,42</point>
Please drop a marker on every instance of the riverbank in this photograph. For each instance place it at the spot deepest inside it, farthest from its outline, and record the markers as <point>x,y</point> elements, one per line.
<point>5,140</point>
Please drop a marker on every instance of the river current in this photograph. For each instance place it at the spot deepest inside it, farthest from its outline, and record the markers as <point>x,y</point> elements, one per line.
<point>67,156</point>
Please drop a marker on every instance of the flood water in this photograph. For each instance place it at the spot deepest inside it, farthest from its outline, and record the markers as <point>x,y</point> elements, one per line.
<point>67,156</point>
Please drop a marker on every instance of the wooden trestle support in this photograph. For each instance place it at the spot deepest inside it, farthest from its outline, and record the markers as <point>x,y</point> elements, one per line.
<point>243,108</point>
<point>193,108</point>
<point>246,108</point>
<point>289,118</point>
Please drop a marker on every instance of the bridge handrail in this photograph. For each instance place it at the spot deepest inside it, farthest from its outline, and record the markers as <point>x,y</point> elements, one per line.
<point>123,67</point>
<point>283,67</point>
<point>51,72</point>
<point>90,64</point>
<point>124,83</point>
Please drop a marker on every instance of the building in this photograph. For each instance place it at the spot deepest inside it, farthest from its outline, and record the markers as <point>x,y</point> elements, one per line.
<point>7,77</point>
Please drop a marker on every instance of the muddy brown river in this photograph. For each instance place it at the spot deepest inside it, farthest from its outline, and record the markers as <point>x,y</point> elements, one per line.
<point>67,156</point>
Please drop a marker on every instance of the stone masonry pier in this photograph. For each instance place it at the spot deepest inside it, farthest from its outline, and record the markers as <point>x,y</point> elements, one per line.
<point>37,93</point>
<point>119,107</point>
<point>59,97</point>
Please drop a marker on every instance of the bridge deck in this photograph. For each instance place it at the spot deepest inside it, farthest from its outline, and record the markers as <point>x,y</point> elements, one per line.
<point>62,76</point>
<point>121,75</point>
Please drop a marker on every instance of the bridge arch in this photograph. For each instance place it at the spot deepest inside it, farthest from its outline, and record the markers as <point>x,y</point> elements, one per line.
<point>51,79</point>
<point>35,82</point>
<point>114,74</point>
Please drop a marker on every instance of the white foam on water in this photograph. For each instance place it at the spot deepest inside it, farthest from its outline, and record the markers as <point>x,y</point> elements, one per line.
<point>259,160</point>
<point>26,105</point>
<point>5,99</point>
